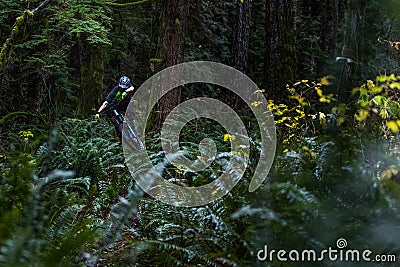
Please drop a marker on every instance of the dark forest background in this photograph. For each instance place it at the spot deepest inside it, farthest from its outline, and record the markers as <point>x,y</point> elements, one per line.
<point>329,68</point>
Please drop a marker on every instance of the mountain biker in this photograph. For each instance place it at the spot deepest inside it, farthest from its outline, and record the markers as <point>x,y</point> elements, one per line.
<point>116,101</point>
<point>119,92</point>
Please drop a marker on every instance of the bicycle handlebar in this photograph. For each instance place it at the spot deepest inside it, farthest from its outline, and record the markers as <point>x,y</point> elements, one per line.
<point>114,105</point>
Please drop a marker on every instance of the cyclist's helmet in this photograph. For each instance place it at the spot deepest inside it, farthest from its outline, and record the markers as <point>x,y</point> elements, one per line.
<point>124,82</point>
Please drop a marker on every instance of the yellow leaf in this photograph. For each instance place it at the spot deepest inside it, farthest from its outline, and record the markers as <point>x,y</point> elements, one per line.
<point>389,173</point>
<point>256,103</point>
<point>384,114</point>
<point>340,121</point>
<point>295,84</point>
<point>319,91</point>
<point>325,80</point>
<point>370,84</point>
<point>361,115</point>
<point>395,85</point>
<point>324,99</point>
<point>381,78</point>
<point>392,77</point>
<point>392,125</point>
<point>228,137</point>
<point>376,89</point>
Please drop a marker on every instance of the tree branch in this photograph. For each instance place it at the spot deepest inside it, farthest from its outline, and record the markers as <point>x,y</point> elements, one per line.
<point>113,4</point>
<point>20,23</point>
<point>23,114</point>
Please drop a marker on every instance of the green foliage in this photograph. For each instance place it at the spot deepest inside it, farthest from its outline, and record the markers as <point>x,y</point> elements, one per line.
<point>93,152</point>
<point>48,82</point>
<point>322,187</point>
<point>53,220</point>
<point>184,236</point>
<point>88,18</point>
<point>342,179</point>
<point>214,26</point>
<point>38,221</point>
<point>307,115</point>
<point>68,199</point>
<point>378,104</point>
<point>15,178</point>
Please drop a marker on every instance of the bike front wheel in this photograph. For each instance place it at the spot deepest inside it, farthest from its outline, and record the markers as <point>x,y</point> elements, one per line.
<point>131,137</point>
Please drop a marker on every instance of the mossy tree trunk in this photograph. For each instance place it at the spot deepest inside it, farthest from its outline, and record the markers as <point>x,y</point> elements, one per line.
<point>174,18</point>
<point>91,59</point>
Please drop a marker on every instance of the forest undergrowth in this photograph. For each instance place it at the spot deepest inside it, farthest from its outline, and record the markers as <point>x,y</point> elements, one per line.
<point>69,200</point>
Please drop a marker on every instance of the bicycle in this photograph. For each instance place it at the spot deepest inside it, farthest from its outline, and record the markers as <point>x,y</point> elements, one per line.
<point>130,135</point>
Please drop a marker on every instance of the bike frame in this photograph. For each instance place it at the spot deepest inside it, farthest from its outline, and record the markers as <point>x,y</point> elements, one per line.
<point>131,135</point>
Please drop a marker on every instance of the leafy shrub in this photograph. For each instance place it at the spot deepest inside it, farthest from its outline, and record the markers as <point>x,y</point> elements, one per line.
<point>39,222</point>
<point>92,151</point>
<point>378,104</point>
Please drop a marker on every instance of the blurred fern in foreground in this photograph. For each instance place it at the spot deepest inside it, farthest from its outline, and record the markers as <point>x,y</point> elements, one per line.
<point>40,225</point>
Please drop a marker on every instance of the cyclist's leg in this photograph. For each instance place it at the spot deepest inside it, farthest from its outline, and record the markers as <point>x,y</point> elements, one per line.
<point>118,127</point>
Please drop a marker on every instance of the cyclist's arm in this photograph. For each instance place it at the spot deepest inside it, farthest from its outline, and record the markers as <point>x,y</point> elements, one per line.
<point>103,106</point>
<point>130,89</point>
<point>109,98</point>
<point>112,94</point>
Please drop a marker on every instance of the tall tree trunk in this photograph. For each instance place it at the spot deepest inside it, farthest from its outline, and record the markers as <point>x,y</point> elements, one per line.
<point>280,56</point>
<point>174,13</point>
<point>91,76</point>
<point>349,53</point>
<point>329,26</point>
<point>241,45</point>
<point>242,34</point>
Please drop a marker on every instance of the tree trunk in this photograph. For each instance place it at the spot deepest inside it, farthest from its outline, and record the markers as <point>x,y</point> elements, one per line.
<point>91,76</point>
<point>241,46</point>
<point>349,52</point>
<point>280,57</point>
<point>173,41</point>
<point>242,34</point>
<point>329,26</point>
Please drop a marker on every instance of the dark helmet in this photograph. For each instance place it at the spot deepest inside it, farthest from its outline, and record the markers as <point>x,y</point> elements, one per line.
<point>124,82</point>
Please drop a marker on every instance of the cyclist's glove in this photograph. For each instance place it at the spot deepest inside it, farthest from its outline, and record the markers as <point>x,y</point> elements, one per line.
<point>97,116</point>
<point>124,94</point>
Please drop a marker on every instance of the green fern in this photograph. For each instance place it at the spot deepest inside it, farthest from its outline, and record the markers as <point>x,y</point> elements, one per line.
<point>47,230</point>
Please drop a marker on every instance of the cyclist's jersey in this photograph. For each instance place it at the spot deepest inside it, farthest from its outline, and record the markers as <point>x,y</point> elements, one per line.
<point>115,94</point>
